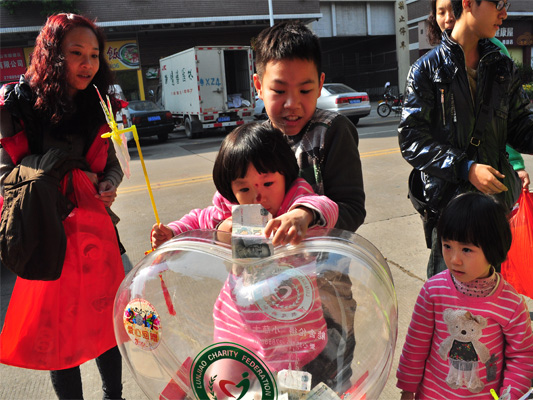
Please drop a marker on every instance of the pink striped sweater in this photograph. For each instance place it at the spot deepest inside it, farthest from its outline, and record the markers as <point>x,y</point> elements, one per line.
<point>299,194</point>
<point>460,347</point>
<point>274,311</point>
<point>279,317</point>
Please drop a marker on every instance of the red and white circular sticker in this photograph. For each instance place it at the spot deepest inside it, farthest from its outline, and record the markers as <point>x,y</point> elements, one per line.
<point>143,324</point>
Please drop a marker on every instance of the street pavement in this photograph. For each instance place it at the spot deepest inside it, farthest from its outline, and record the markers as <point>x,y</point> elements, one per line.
<point>399,239</point>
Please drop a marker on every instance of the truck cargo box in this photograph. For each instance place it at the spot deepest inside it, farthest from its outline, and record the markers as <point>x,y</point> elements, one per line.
<point>209,87</point>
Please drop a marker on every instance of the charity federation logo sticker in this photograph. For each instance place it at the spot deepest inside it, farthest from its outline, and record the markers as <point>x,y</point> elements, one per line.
<point>287,296</point>
<point>143,324</point>
<point>229,370</point>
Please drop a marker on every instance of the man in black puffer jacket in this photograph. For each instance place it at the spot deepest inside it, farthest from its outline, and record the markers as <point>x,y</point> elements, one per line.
<point>463,80</point>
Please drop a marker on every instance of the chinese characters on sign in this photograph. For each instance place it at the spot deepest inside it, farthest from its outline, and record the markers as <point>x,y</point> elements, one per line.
<point>402,25</point>
<point>178,77</point>
<point>12,64</point>
<point>123,55</point>
<point>506,35</point>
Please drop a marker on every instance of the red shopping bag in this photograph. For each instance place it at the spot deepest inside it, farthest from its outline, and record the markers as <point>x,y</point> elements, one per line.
<point>518,268</point>
<point>60,324</point>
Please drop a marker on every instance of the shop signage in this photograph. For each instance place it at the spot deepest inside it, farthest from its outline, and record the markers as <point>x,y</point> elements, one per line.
<point>122,55</point>
<point>12,64</point>
<point>517,33</point>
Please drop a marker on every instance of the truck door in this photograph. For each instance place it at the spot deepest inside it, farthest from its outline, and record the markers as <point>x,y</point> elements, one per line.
<point>211,79</point>
<point>238,76</point>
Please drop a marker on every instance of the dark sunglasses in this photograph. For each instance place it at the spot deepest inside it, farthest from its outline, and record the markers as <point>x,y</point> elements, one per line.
<point>500,4</point>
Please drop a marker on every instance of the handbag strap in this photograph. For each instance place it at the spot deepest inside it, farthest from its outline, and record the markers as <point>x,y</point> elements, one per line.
<point>482,120</point>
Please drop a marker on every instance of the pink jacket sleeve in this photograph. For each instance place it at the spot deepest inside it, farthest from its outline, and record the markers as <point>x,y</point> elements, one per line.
<point>302,194</point>
<point>299,194</point>
<point>207,218</point>
<point>518,371</point>
<point>417,343</point>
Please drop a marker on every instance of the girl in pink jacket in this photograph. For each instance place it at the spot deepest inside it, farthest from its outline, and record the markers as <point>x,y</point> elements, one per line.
<point>287,329</point>
<point>255,165</point>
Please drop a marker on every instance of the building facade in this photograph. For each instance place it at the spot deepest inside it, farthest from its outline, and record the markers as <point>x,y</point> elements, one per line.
<point>365,43</point>
<point>140,32</point>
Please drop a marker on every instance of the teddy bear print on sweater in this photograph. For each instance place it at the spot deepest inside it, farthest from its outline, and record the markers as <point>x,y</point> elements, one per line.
<point>464,349</point>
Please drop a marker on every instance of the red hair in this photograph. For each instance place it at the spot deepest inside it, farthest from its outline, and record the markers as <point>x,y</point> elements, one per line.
<point>47,74</point>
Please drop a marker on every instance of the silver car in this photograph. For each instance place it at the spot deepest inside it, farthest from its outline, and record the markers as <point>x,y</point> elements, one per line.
<point>259,110</point>
<point>344,100</point>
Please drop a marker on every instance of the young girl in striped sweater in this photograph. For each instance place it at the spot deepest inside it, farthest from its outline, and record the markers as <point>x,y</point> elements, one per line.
<point>470,331</point>
<point>255,164</point>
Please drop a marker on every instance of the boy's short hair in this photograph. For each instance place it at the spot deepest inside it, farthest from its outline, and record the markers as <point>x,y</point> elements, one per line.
<point>457,7</point>
<point>477,218</point>
<point>260,144</point>
<point>286,41</point>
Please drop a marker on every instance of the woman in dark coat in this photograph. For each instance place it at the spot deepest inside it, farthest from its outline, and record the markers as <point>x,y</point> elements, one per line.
<point>58,325</point>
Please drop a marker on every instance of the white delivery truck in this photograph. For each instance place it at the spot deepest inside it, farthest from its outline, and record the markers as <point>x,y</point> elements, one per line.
<point>209,87</point>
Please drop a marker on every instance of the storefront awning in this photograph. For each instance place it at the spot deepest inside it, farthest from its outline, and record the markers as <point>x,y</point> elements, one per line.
<point>164,22</point>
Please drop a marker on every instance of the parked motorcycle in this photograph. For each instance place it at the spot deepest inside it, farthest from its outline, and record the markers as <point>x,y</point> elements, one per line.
<point>390,103</point>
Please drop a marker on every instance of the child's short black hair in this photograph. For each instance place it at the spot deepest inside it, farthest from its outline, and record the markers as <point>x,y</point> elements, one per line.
<point>286,41</point>
<point>260,144</point>
<point>477,218</point>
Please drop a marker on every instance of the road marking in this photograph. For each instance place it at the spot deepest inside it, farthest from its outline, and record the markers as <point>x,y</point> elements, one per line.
<point>204,178</point>
<point>380,152</point>
<point>157,185</point>
<point>373,133</point>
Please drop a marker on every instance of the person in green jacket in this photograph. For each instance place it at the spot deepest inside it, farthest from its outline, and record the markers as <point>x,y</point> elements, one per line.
<point>440,18</point>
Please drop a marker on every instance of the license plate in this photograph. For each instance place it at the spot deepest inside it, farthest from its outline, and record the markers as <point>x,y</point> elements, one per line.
<point>154,118</point>
<point>223,119</point>
<point>353,101</point>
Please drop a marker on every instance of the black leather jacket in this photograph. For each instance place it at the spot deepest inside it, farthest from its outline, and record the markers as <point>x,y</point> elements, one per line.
<point>439,115</point>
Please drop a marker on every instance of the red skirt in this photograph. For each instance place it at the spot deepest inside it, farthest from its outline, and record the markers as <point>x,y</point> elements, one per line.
<point>60,324</point>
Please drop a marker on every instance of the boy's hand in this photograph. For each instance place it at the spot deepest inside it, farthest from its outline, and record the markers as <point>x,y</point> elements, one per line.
<point>225,226</point>
<point>407,395</point>
<point>107,192</point>
<point>290,227</point>
<point>160,234</point>
<point>485,179</point>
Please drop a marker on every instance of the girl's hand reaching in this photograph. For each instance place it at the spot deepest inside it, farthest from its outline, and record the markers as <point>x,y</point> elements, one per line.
<point>290,227</point>
<point>160,234</point>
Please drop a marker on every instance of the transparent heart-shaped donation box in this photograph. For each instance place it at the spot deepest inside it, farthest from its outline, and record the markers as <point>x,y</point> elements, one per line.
<point>312,321</point>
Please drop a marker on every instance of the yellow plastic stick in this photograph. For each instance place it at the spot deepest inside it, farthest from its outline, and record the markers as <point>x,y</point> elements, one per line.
<point>115,136</point>
<point>136,137</point>
<point>494,394</point>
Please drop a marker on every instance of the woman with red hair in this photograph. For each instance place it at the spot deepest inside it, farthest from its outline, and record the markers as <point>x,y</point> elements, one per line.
<point>59,324</point>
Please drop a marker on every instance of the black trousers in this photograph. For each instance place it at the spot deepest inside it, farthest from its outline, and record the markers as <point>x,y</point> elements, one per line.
<point>67,382</point>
